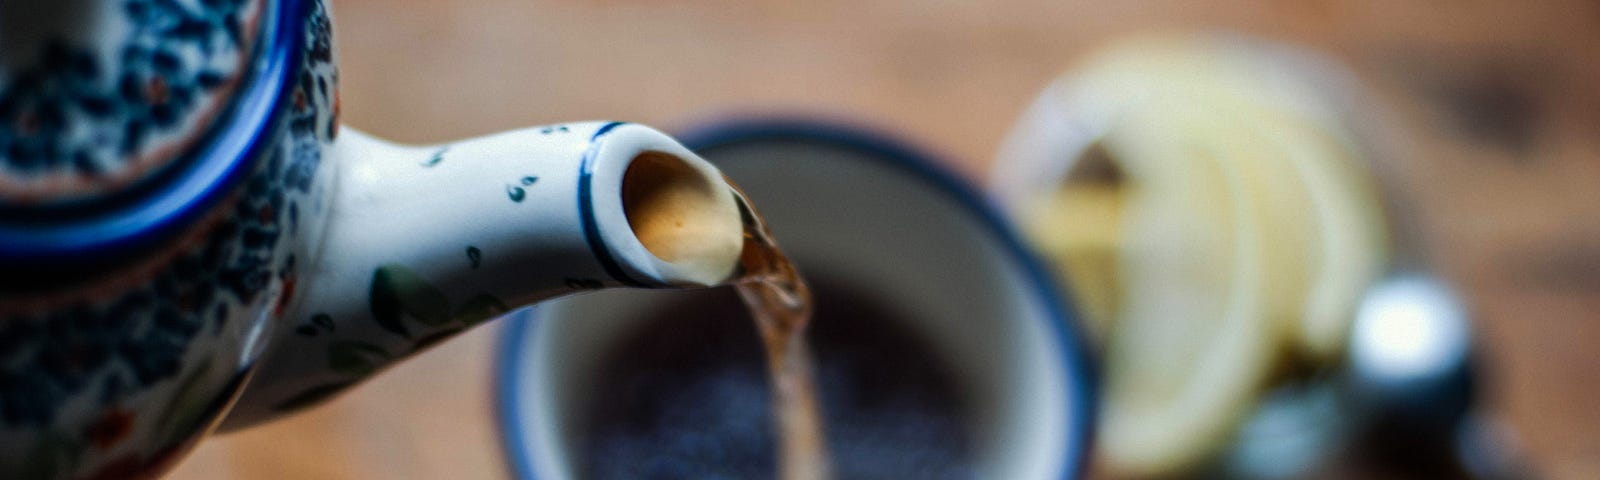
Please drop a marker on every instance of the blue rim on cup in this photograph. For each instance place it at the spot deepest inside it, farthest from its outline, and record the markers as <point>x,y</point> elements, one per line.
<point>1075,355</point>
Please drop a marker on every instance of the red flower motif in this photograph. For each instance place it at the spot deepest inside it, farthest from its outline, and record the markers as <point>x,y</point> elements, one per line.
<point>113,426</point>
<point>27,122</point>
<point>156,91</point>
<point>285,297</point>
<point>333,129</point>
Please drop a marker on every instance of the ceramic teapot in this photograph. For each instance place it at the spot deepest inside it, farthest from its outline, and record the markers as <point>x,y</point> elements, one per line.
<point>190,241</point>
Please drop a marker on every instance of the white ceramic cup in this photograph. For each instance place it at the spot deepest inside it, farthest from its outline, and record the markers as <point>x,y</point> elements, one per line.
<point>847,204</point>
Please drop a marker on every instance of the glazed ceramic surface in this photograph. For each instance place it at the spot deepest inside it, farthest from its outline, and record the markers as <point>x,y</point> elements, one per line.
<point>503,230</point>
<point>113,375</point>
<point>178,205</point>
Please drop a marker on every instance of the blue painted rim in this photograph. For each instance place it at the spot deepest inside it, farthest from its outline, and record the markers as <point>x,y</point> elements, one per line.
<point>591,227</point>
<point>1076,359</point>
<point>230,152</point>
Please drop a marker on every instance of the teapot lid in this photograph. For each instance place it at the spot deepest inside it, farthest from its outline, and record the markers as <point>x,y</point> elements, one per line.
<point>122,121</point>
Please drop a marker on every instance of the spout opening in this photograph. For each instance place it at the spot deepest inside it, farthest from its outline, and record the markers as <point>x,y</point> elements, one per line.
<point>680,214</point>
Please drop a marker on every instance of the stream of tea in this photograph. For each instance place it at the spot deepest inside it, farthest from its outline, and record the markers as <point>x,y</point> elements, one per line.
<point>781,304</point>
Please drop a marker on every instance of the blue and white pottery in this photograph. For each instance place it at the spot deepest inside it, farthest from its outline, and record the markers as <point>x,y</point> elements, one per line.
<point>189,240</point>
<point>846,203</point>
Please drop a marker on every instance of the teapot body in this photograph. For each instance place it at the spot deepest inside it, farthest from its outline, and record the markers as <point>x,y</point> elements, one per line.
<point>188,243</point>
<point>116,373</point>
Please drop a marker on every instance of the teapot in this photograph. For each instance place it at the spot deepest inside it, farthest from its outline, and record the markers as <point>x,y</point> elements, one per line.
<point>190,241</point>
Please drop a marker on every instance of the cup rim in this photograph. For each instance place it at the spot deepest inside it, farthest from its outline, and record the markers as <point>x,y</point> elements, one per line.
<point>1082,382</point>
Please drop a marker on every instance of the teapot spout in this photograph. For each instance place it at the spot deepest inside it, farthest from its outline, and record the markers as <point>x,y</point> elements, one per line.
<point>419,243</point>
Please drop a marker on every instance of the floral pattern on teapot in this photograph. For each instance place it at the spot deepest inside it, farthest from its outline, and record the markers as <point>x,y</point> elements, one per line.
<point>75,369</point>
<point>88,115</point>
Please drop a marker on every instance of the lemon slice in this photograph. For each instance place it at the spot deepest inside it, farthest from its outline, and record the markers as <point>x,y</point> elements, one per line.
<point>1315,179</point>
<point>1290,236</point>
<point>1193,345</point>
<point>1081,227</point>
<point>1298,120</point>
<point>1244,229</point>
<point>1348,249</point>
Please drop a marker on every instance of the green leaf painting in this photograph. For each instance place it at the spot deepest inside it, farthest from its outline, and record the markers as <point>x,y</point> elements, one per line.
<point>479,308</point>
<point>398,293</point>
<point>385,303</point>
<point>355,358</point>
<point>396,290</point>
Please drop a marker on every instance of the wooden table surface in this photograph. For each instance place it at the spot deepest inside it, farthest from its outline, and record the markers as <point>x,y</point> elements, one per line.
<point>1500,99</point>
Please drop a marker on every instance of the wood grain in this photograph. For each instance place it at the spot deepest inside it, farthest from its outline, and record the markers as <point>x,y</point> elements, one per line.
<point>1497,103</point>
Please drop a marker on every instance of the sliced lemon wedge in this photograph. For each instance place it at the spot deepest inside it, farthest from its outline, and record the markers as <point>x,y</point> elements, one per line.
<point>1348,248</point>
<point>1242,231</point>
<point>1315,178</point>
<point>1193,343</point>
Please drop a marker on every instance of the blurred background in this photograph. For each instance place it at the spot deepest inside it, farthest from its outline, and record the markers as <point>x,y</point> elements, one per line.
<point>1497,102</point>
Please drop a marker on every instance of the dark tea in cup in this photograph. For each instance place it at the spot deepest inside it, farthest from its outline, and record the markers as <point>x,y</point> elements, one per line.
<point>687,395</point>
